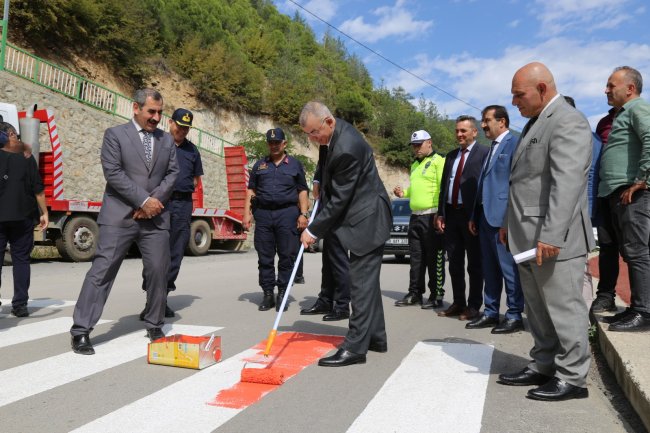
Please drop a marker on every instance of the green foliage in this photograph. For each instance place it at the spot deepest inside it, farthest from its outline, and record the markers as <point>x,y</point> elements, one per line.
<point>239,54</point>
<point>256,148</point>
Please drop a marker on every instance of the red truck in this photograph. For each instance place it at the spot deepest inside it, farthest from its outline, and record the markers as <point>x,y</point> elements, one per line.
<point>73,227</point>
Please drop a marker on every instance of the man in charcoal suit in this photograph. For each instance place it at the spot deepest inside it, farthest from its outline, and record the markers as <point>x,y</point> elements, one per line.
<point>355,207</point>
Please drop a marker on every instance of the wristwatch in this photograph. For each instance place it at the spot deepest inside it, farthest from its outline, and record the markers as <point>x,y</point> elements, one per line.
<point>305,214</point>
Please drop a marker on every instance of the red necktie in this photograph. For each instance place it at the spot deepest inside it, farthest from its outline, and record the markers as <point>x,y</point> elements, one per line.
<point>459,172</point>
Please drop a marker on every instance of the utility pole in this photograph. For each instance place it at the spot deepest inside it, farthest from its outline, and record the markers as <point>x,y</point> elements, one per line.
<point>5,27</point>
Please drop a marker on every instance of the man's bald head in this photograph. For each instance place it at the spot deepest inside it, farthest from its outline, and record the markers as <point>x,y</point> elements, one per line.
<point>533,87</point>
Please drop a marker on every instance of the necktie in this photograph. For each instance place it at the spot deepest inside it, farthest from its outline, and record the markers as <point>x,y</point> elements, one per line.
<point>146,141</point>
<point>459,172</point>
<point>489,157</point>
<point>485,169</point>
<point>529,125</point>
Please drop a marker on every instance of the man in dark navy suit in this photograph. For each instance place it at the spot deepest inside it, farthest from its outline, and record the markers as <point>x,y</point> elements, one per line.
<point>457,194</point>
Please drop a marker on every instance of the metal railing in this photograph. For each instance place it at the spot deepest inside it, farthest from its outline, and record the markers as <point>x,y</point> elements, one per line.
<point>26,65</point>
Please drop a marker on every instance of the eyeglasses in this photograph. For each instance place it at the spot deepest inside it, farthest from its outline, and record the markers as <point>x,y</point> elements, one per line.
<point>317,131</point>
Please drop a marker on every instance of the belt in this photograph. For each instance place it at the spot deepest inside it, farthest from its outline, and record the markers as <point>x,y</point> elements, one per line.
<point>425,211</point>
<point>273,206</point>
<point>177,195</point>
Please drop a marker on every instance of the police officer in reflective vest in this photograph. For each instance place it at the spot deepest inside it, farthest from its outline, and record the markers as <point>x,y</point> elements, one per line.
<point>426,246</point>
<point>180,204</point>
<point>277,199</point>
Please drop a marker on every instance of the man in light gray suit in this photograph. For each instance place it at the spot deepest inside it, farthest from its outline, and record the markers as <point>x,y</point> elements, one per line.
<point>139,164</point>
<point>547,212</point>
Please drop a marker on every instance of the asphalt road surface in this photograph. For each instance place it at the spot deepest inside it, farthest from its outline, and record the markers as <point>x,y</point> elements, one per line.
<point>436,377</point>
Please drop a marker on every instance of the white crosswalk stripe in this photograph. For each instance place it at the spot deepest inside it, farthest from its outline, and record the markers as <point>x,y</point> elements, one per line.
<point>58,370</point>
<point>39,303</point>
<point>462,370</point>
<point>466,365</point>
<point>34,331</point>
<point>187,397</point>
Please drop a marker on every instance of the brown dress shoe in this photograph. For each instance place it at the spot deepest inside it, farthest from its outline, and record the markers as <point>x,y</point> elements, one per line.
<point>468,314</point>
<point>453,310</point>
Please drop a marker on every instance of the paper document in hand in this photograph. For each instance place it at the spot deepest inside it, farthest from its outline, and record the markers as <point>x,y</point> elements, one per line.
<point>525,256</point>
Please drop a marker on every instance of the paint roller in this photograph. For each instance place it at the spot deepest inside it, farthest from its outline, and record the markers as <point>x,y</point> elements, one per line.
<point>272,376</point>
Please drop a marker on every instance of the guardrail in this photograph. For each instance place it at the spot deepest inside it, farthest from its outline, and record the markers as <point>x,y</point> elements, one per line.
<point>26,65</point>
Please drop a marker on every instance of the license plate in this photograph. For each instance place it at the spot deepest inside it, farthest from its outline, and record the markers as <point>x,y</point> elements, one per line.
<point>398,241</point>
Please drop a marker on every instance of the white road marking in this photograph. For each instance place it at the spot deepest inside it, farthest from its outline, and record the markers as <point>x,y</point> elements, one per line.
<point>439,386</point>
<point>34,331</point>
<point>58,370</point>
<point>42,303</point>
<point>185,400</point>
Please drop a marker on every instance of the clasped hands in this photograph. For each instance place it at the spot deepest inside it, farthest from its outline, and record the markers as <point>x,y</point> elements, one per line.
<point>151,208</point>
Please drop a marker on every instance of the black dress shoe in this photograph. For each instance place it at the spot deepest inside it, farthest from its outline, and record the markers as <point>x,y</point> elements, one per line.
<point>378,347</point>
<point>618,316</point>
<point>410,299</point>
<point>299,280</point>
<point>525,377</point>
<point>155,333</point>
<point>336,315</point>
<point>81,344</point>
<point>556,389</point>
<point>508,326</point>
<point>633,322</point>
<point>169,312</point>
<point>482,322</point>
<point>319,307</point>
<point>342,358</point>
<point>268,301</point>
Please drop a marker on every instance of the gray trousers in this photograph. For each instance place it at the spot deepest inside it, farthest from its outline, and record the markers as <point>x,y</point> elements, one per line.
<point>114,243</point>
<point>558,318</point>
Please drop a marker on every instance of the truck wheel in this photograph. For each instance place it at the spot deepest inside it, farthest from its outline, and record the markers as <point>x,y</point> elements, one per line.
<point>200,238</point>
<point>78,241</point>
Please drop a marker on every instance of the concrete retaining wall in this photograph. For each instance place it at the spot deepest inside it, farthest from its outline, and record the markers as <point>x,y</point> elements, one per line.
<point>81,129</point>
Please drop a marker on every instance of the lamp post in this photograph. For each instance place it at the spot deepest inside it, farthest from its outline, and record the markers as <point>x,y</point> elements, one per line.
<point>5,27</point>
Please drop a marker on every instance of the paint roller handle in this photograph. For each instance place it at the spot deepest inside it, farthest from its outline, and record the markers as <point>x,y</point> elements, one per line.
<point>269,341</point>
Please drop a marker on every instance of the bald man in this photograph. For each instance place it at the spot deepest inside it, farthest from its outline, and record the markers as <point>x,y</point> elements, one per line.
<point>548,213</point>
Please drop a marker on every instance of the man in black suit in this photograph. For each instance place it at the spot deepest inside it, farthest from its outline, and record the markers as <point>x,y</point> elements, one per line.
<point>356,208</point>
<point>457,194</point>
<point>334,296</point>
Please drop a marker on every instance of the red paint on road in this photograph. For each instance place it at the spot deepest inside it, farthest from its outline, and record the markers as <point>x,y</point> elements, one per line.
<point>291,353</point>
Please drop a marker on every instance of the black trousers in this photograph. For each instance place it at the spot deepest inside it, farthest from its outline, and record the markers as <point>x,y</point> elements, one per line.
<point>20,236</point>
<point>426,255</point>
<point>608,254</point>
<point>459,241</point>
<point>335,280</point>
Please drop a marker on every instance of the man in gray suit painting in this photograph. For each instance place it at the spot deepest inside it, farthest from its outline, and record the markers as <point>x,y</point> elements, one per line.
<point>140,168</point>
<point>547,212</point>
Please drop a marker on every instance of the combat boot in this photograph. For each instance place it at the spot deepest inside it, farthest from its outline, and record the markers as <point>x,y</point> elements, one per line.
<point>268,301</point>
<point>278,301</point>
